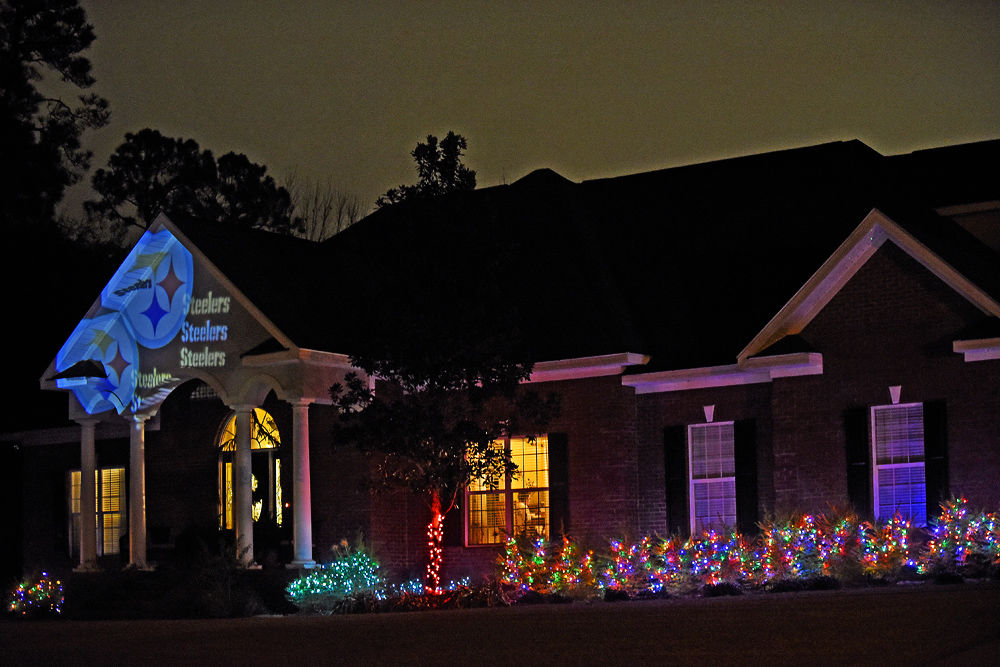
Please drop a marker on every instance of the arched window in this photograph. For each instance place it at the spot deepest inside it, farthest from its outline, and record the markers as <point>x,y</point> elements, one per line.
<point>265,446</point>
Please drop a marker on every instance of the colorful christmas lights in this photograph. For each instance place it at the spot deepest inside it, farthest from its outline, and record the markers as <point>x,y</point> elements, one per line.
<point>43,597</point>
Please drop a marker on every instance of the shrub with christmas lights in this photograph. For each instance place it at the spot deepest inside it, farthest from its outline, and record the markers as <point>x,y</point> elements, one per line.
<point>963,542</point>
<point>718,556</point>
<point>353,571</point>
<point>885,546</point>
<point>43,597</point>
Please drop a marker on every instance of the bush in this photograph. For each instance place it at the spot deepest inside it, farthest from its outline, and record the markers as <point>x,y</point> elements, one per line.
<point>345,583</point>
<point>963,543</point>
<point>37,597</point>
<point>803,552</point>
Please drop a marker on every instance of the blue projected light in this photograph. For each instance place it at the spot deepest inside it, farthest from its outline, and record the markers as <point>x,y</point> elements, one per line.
<point>152,288</point>
<point>107,339</point>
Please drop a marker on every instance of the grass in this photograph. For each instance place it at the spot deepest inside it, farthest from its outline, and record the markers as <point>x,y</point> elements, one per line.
<point>890,625</point>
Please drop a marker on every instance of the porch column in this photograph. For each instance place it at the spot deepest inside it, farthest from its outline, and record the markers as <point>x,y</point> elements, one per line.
<point>137,492</point>
<point>243,491</point>
<point>88,502</point>
<point>303,492</point>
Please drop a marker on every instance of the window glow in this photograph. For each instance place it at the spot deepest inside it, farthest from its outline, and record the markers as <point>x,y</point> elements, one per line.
<point>712,476</point>
<point>265,441</point>
<point>521,505</point>
<point>109,499</point>
<point>898,451</point>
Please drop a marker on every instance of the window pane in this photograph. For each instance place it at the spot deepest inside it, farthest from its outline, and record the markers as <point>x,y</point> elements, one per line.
<point>480,485</point>
<point>712,451</point>
<point>112,532</point>
<point>532,459</point>
<point>531,514</point>
<point>487,518</point>
<point>74,492</point>
<point>111,507</point>
<point>899,433</point>
<point>903,489</point>
<point>714,504</point>
<point>111,489</point>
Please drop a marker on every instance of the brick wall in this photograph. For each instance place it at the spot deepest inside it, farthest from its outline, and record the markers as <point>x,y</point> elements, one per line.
<point>892,324</point>
<point>662,410</point>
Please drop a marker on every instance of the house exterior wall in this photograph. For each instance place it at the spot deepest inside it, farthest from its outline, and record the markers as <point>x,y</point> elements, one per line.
<point>670,410</point>
<point>892,324</point>
<point>598,418</point>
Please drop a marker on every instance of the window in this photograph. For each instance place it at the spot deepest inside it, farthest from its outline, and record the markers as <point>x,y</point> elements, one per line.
<point>898,456</point>
<point>712,491</point>
<point>110,496</point>
<point>521,505</point>
<point>265,481</point>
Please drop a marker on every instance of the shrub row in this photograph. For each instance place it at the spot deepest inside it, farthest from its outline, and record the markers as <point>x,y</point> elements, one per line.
<point>805,550</point>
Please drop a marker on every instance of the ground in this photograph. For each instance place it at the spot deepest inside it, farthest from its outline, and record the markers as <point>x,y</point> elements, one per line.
<point>917,624</point>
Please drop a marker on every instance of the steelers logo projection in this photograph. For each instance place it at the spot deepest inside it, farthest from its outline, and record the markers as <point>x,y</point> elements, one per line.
<point>107,339</point>
<point>152,289</point>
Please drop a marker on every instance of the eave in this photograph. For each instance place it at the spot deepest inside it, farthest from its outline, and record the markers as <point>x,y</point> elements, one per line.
<point>752,371</point>
<point>586,367</point>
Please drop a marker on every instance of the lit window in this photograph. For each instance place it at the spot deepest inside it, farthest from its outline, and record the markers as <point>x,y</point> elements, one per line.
<point>109,495</point>
<point>712,476</point>
<point>898,453</point>
<point>265,442</point>
<point>521,504</point>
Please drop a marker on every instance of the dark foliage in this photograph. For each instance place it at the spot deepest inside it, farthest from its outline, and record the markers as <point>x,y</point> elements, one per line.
<point>439,171</point>
<point>150,173</point>
<point>40,148</point>
<point>721,589</point>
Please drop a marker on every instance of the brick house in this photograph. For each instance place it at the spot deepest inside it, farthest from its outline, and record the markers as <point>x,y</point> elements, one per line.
<point>792,331</point>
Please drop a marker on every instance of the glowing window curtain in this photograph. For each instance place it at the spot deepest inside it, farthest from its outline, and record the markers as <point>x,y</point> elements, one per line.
<point>898,451</point>
<point>109,496</point>
<point>520,506</point>
<point>713,476</point>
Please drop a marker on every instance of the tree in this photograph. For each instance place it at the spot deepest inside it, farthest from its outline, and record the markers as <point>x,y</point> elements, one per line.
<point>434,433</point>
<point>149,173</point>
<point>439,171</point>
<point>324,210</point>
<point>40,135</point>
<point>450,365</point>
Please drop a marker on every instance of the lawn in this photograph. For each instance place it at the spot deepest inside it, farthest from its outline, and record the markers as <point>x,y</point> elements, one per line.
<point>927,623</point>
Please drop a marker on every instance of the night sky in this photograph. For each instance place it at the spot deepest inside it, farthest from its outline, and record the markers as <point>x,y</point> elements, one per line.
<point>343,91</point>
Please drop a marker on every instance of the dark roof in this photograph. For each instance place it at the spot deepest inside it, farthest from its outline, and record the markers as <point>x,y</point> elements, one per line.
<point>685,264</point>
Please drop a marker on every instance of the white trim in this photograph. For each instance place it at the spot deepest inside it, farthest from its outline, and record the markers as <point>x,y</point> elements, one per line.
<point>585,367</point>
<point>965,209</point>
<point>982,349</point>
<point>852,254</point>
<point>297,354</point>
<point>751,371</point>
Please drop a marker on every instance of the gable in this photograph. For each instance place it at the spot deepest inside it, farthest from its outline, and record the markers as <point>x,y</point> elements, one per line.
<point>165,316</point>
<point>892,311</point>
<point>873,232</point>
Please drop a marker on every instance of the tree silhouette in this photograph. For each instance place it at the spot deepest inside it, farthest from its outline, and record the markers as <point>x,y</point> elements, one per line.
<point>150,173</point>
<point>439,171</point>
<point>40,149</point>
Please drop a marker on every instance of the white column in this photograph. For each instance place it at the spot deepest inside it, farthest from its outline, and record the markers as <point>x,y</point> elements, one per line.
<point>302,507</point>
<point>88,502</point>
<point>243,491</point>
<point>137,492</point>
